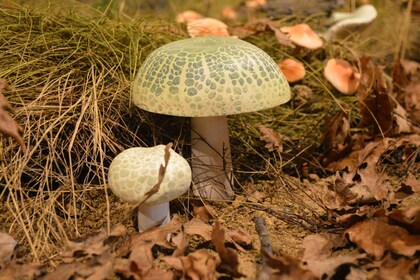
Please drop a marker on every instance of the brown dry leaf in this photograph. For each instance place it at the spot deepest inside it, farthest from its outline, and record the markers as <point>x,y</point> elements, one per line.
<point>256,197</point>
<point>207,27</point>
<point>395,268</point>
<point>411,97</point>
<point>287,268</point>
<point>93,245</point>
<point>95,268</point>
<point>336,139</point>
<point>319,260</point>
<point>376,237</point>
<point>156,235</point>
<point>8,126</point>
<point>413,182</point>
<point>408,216</point>
<point>180,242</point>
<point>199,265</point>
<point>7,248</point>
<point>273,139</point>
<point>22,271</point>
<point>229,258</point>
<point>281,37</point>
<point>375,105</point>
<point>198,227</point>
<point>203,211</point>
<point>240,236</point>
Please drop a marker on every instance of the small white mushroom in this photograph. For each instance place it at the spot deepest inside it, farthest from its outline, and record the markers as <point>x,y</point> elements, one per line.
<point>345,22</point>
<point>135,171</point>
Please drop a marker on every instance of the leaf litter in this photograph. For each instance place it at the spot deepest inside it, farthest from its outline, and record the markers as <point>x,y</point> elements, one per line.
<point>362,222</point>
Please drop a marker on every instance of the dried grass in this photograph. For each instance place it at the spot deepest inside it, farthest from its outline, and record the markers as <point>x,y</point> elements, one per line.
<point>70,75</point>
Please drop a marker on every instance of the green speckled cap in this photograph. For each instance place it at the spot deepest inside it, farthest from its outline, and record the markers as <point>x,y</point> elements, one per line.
<point>209,76</point>
<point>134,172</point>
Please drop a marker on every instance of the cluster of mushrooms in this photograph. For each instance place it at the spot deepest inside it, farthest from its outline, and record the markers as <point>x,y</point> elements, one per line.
<point>208,77</point>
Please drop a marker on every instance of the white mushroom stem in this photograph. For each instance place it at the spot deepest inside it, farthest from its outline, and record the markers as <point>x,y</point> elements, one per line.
<point>211,158</point>
<point>153,215</point>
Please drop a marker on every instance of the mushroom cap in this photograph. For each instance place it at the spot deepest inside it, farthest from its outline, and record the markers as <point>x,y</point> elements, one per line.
<point>343,22</point>
<point>342,76</point>
<point>188,16</point>
<point>303,35</point>
<point>135,171</point>
<point>209,76</point>
<point>204,27</point>
<point>292,69</point>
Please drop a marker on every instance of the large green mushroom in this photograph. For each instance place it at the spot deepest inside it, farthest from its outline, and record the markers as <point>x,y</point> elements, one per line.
<point>207,79</point>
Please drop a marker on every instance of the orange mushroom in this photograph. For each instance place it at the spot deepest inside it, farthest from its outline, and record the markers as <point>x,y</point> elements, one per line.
<point>229,13</point>
<point>207,27</point>
<point>302,35</point>
<point>292,69</point>
<point>188,16</point>
<point>254,4</point>
<point>342,75</point>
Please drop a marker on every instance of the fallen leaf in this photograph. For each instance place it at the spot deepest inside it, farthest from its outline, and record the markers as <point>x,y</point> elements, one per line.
<point>273,139</point>
<point>229,258</point>
<point>336,138</point>
<point>376,237</point>
<point>7,248</point>
<point>156,235</point>
<point>407,216</point>
<point>181,243</point>
<point>395,268</point>
<point>281,37</point>
<point>240,236</point>
<point>198,227</point>
<point>92,245</point>
<point>319,260</point>
<point>203,211</point>
<point>8,126</point>
<point>198,265</point>
<point>287,268</point>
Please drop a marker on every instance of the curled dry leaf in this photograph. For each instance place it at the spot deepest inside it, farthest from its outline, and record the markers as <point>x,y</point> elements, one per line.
<point>207,27</point>
<point>395,268</point>
<point>8,126</point>
<point>286,267</point>
<point>198,265</point>
<point>375,105</point>
<point>93,245</point>
<point>376,237</point>
<point>229,258</point>
<point>188,16</point>
<point>7,248</point>
<point>203,210</point>
<point>407,216</point>
<point>273,139</point>
<point>336,138</point>
<point>319,260</point>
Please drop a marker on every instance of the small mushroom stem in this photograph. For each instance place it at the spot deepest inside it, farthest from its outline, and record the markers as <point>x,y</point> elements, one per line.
<point>153,215</point>
<point>211,158</point>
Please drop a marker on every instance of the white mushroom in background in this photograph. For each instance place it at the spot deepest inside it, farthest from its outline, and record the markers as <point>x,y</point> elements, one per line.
<point>134,172</point>
<point>344,22</point>
<point>207,79</point>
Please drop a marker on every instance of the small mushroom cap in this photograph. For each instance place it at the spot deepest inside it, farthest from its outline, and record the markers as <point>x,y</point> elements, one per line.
<point>188,16</point>
<point>342,76</point>
<point>292,69</point>
<point>204,27</point>
<point>135,171</point>
<point>209,76</point>
<point>303,35</point>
